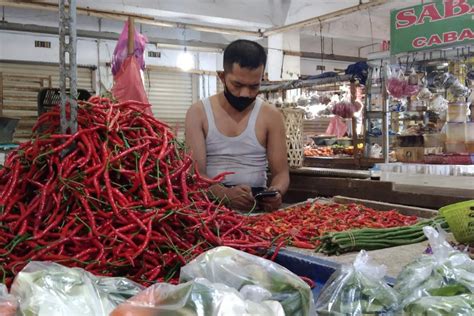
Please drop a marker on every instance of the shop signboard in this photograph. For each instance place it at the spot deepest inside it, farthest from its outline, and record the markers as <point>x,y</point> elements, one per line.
<point>432,25</point>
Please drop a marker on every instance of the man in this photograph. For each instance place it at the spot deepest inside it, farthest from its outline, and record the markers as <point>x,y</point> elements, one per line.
<point>237,132</point>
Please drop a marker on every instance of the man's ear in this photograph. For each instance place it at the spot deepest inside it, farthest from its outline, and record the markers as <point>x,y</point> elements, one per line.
<point>221,75</point>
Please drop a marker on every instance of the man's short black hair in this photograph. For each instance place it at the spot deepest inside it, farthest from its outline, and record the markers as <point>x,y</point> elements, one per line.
<point>246,54</point>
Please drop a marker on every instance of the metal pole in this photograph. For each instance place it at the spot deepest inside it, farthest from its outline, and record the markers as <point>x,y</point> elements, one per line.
<point>385,123</point>
<point>68,65</point>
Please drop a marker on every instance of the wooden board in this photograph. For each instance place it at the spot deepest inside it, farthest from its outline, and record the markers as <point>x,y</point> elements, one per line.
<point>305,186</point>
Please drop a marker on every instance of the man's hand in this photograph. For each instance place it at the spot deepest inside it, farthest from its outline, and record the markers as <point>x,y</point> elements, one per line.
<point>239,197</point>
<point>271,203</point>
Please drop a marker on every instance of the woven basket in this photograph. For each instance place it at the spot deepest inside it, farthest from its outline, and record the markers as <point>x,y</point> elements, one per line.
<point>460,218</point>
<point>294,136</point>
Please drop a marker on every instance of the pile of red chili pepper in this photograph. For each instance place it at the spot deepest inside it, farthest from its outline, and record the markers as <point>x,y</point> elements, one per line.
<point>302,225</point>
<point>120,197</point>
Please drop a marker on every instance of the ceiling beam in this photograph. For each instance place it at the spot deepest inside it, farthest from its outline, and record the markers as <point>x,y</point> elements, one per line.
<point>322,18</point>
<point>311,55</point>
<point>123,16</point>
<point>40,29</point>
<point>165,43</point>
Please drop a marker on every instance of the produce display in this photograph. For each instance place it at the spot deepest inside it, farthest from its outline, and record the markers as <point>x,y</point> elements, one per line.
<point>460,305</point>
<point>244,272</point>
<point>50,289</point>
<point>118,205</point>
<point>440,283</point>
<point>253,286</point>
<point>358,289</point>
<point>120,197</point>
<point>225,281</point>
<point>325,151</point>
<point>370,238</point>
<point>447,272</point>
<point>198,297</point>
<point>328,151</point>
<point>303,224</point>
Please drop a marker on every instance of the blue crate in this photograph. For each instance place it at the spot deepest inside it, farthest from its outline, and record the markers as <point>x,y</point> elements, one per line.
<point>317,269</point>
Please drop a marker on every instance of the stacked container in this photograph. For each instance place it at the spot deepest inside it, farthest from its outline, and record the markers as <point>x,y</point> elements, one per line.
<point>456,129</point>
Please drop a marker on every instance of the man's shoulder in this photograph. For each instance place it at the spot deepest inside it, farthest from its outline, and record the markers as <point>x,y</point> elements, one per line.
<point>270,110</point>
<point>196,108</point>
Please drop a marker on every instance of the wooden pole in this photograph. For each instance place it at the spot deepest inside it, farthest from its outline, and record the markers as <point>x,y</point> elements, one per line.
<point>131,36</point>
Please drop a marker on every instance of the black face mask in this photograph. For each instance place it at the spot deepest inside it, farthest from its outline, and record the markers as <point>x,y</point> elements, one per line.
<point>238,103</point>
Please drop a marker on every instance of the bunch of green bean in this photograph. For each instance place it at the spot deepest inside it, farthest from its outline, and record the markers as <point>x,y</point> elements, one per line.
<point>376,238</point>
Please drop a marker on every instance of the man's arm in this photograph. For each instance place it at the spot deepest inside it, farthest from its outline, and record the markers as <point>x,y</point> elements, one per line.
<point>277,159</point>
<point>194,136</point>
<point>276,151</point>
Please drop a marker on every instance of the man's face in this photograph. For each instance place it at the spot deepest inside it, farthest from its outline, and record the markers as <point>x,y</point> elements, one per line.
<point>243,82</point>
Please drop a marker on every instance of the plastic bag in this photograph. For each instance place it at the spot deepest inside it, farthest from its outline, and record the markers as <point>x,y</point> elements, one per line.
<point>398,86</point>
<point>358,289</point>
<point>121,49</point>
<point>195,298</point>
<point>376,151</point>
<point>237,269</point>
<point>344,109</point>
<point>50,289</point>
<point>337,127</point>
<point>8,303</point>
<point>448,272</point>
<point>128,85</point>
<point>460,305</point>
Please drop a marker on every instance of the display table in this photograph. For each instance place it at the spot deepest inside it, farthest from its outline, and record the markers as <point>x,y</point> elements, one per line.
<point>310,182</point>
<point>394,258</point>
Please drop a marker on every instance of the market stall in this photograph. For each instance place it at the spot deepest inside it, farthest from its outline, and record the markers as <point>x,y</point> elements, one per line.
<point>330,125</point>
<point>104,210</point>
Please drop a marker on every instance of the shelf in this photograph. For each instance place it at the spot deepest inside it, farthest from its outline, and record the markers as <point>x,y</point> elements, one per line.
<point>408,119</point>
<point>380,113</point>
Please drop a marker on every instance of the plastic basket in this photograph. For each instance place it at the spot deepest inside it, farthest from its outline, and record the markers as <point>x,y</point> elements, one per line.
<point>460,218</point>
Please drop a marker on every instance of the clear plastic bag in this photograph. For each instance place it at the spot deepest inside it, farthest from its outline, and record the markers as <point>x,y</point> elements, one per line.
<point>199,297</point>
<point>358,289</point>
<point>50,289</point>
<point>238,269</point>
<point>8,302</point>
<point>447,272</point>
<point>121,49</point>
<point>460,305</point>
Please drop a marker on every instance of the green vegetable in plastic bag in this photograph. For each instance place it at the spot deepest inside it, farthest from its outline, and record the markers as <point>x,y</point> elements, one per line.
<point>195,298</point>
<point>238,269</point>
<point>461,305</point>
<point>358,289</point>
<point>50,289</point>
<point>448,272</point>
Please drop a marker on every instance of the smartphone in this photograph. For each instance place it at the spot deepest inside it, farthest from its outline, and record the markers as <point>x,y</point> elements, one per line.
<point>265,194</point>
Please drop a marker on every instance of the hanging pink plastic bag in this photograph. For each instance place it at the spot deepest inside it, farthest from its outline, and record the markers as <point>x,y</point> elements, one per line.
<point>398,86</point>
<point>121,50</point>
<point>336,127</point>
<point>129,86</point>
<point>344,109</point>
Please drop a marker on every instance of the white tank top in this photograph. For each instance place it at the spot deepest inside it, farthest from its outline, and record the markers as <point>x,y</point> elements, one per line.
<point>242,154</point>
